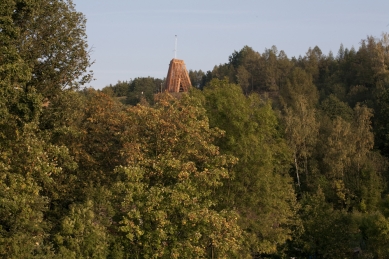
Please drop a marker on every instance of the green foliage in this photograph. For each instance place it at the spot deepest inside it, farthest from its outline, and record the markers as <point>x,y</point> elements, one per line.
<point>301,133</point>
<point>375,229</point>
<point>30,168</point>
<point>381,123</point>
<point>253,71</point>
<point>333,107</point>
<point>174,221</point>
<point>328,233</point>
<point>196,77</point>
<point>299,85</point>
<point>274,70</point>
<point>120,89</point>
<point>52,43</point>
<point>143,89</point>
<point>261,189</point>
<point>166,188</point>
<point>80,234</point>
<point>38,62</point>
<point>348,161</point>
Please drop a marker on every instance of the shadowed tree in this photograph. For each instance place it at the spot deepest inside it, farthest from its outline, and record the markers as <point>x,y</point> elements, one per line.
<point>261,189</point>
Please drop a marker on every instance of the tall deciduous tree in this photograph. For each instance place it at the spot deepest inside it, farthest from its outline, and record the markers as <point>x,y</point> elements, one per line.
<point>261,189</point>
<point>299,85</point>
<point>167,206</point>
<point>43,50</point>
<point>347,162</point>
<point>299,98</point>
<point>328,233</point>
<point>301,132</point>
<point>52,42</point>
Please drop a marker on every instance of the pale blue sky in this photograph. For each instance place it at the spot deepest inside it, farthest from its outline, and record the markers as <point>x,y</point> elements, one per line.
<point>136,38</point>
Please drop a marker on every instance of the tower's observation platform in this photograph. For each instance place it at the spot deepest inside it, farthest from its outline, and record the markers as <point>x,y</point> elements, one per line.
<point>177,78</point>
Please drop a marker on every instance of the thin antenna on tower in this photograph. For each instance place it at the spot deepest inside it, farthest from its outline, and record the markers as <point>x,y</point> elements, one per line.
<point>175,48</point>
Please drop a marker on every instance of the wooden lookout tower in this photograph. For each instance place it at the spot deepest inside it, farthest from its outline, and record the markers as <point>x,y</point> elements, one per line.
<point>177,78</point>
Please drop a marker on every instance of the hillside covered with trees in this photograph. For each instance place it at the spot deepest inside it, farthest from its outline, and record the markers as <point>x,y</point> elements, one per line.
<point>266,157</point>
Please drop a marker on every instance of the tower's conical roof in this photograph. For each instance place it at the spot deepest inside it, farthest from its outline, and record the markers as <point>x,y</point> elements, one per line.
<point>177,77</point>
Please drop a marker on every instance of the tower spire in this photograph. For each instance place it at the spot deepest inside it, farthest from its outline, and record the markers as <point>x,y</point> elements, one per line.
<point>175,48</point>
<point>177,79</point>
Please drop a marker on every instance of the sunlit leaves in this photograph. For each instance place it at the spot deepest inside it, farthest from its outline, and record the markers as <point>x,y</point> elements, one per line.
<point>168,210</point>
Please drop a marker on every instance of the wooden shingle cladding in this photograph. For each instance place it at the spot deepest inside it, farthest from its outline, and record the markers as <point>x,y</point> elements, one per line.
<point>177,77</point>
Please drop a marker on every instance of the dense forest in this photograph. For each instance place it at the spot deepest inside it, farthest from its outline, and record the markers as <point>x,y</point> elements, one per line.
<point>266,157</point>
